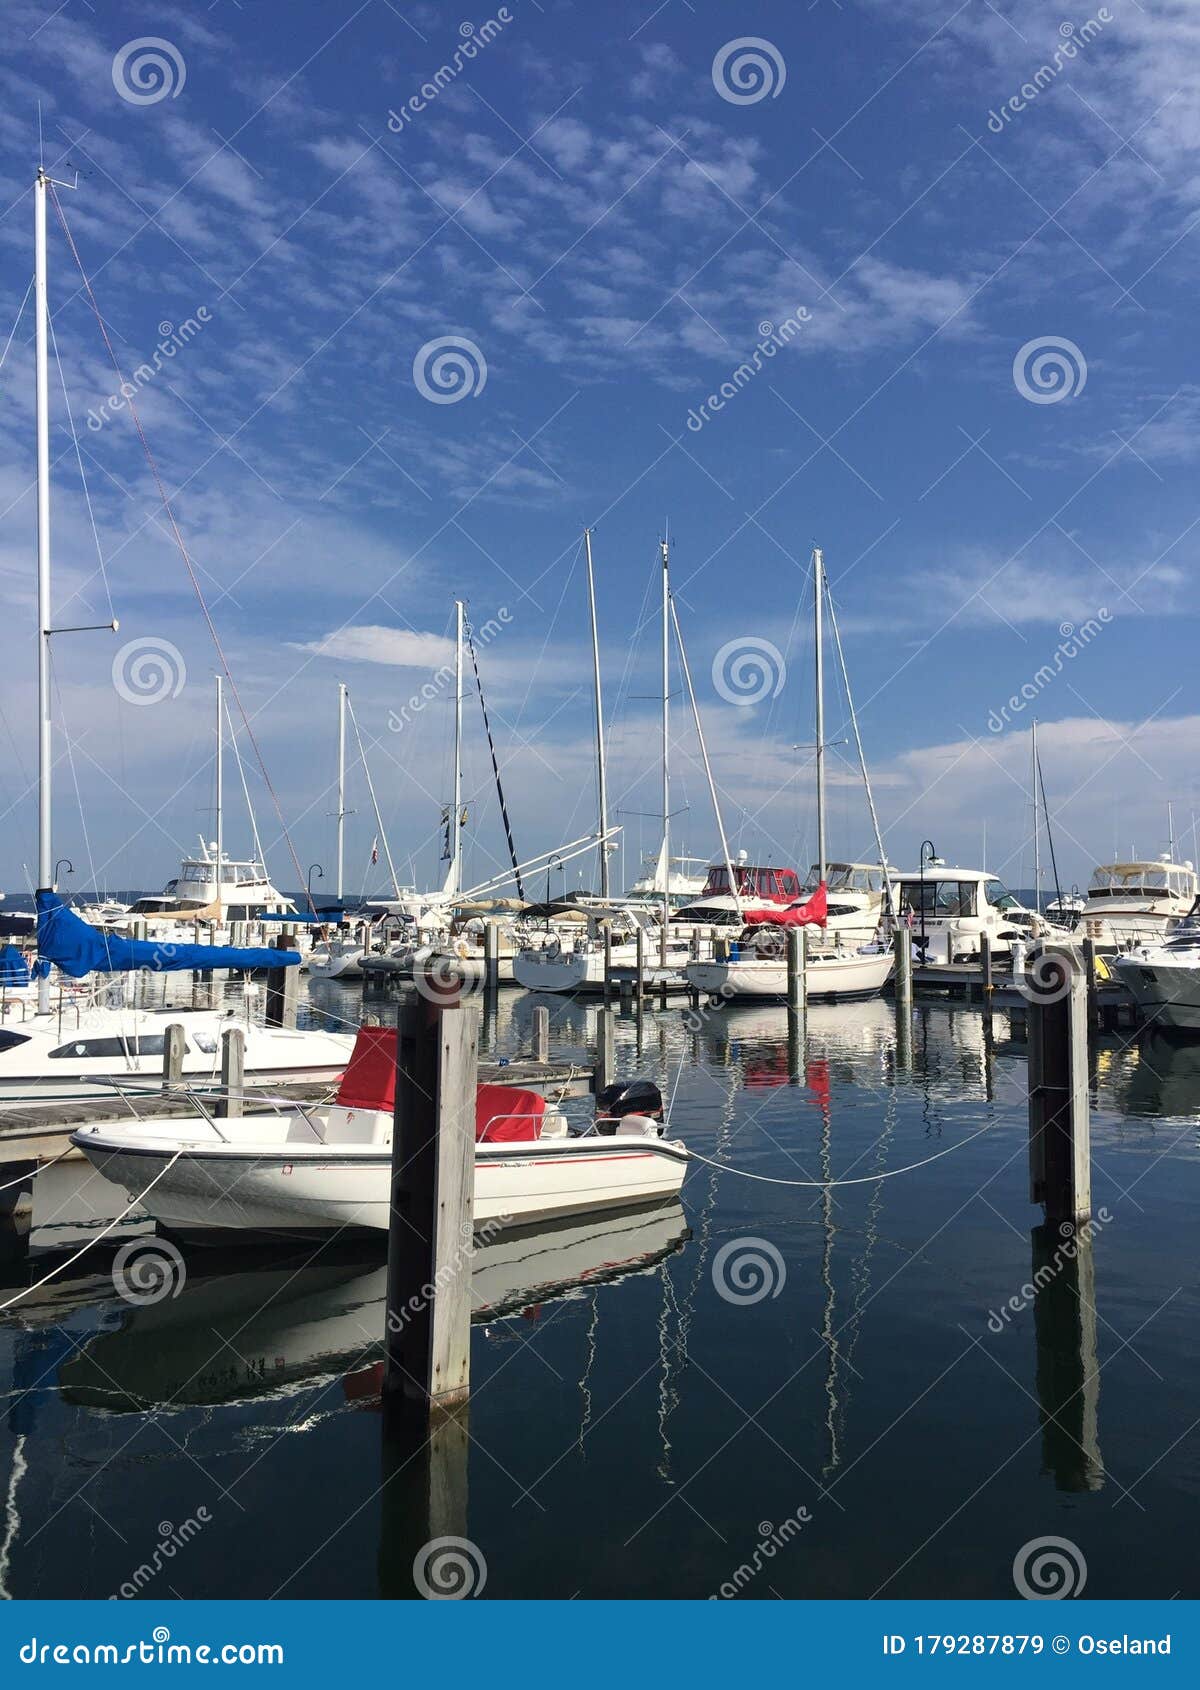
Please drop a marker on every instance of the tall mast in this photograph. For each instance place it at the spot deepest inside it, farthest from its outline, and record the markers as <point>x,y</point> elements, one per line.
<point>1037,838</point>
<point>1170,830</point>
<point>454,879</point>
<point>666,747</point>
<point>341,790</point>
<point>708,774</point>
<point>220,786</point>
<point>818,596</point>
<point>601,770</point>
<point>45,842</point>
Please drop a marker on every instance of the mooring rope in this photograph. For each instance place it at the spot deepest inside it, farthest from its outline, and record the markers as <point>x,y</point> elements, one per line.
<point>824,1184</point>
<point>63,1266</point>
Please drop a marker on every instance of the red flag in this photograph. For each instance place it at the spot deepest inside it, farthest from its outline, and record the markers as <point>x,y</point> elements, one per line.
<point>814,911</point>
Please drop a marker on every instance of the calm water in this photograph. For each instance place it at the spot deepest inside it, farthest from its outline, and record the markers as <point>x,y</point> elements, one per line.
<point>655,1395</point>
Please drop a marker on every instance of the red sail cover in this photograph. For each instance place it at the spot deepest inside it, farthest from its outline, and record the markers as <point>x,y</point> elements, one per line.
<point>814,910</point>
<point>503,1114</point>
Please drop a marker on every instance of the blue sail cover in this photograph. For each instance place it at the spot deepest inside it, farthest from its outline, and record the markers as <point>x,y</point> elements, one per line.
<point>14,970</point>
<point>78,948</point>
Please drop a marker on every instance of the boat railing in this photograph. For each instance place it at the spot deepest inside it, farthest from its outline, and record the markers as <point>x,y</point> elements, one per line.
<point>202,1096</point>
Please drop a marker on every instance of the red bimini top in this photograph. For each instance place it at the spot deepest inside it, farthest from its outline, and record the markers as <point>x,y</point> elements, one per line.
<point>814,911</point>
<point>503,1114</point>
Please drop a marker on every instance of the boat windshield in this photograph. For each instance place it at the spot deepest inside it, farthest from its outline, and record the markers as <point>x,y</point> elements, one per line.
<point>846,877</point>
<point>998,896</point>
<point>1150,880</point>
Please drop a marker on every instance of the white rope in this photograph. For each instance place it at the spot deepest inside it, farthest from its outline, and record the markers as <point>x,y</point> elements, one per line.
<point>63,1266</point>
<point>824,1184</point>
<point>16,323</point>
<point>40,1169</point>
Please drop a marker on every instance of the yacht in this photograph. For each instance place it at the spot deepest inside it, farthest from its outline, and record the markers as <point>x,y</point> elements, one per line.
<point>949,909</point>
<point>682,884</point>
<point>756,889</point>
<point>1164,977</point>
<point>211,887</point>
<point>1138,902</point>
<point>573,960</point>
<point>857,894</point>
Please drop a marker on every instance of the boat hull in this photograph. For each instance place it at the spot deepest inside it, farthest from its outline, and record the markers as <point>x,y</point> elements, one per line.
<point>854,976</point>
<point>283,1189</point>
<point>1168,994</point>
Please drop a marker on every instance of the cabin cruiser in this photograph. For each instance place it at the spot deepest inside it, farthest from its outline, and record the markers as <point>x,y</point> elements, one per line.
<point>949,910</point>
<point>318,1170</point>
<point>757,889</point>
<point>1138,902</point>
<point>1164,978</point>
<point>857,899</point>
<point>1067,909</point>
<point>681,884</point>
<point>227,895</point>
<point>757,962</point>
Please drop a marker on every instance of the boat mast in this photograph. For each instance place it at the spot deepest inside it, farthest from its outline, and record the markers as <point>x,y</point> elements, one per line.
<point>1037,841</point>
<point>220,785</point>
<point>666,746</point>
<point>818,596</point>
<point>862,763</point>
<point>45,842</point>
<point>454,876</point>
<point>712,785</point>
<point>601,770</point>
<point>341,791</point>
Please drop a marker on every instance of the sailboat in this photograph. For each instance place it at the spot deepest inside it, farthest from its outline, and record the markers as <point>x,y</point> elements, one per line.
<point>757,964</point>
<point>63,1051</point>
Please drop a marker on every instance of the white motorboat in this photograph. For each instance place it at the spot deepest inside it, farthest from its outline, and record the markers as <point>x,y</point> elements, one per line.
<point>574,961</point>
<point>77,1052</point>
<point>318,1170</point>
<point>828,974</point>
<point>857,896</point>
<point>949,909</point>
<point>1164,979</point>
<point>1138,902</point>
<point>337,959</point>
<point>719,905</point>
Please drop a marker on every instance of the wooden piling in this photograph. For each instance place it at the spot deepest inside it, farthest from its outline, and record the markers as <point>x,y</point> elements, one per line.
<point>541,1034</point>
<point>606,1050</point>
<point>985,975</point>
<point>283,990</point>
<point>606,928</point>
<point>491,956</point>
<point>233,1073</point>
<point>174,1045</point>
<point>1060,1170</point>
<point>428,1324</point>
<point>640,952</point>
<point>1089,968</point>
<point>903,972</point>
<point>797,970</point>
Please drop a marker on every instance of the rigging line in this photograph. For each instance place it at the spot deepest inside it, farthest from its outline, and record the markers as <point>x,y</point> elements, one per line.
<point>87,495</point>
<point>487,728</point>
<point>823,1184</point>
<point>16,323</point>
<point>87,839</point>
<point>387,850</point>
<point>95,1239</point>
<point>185,554</point>
<point>1049,830</point>
<point>41,1167</point>
<point>237,757</point>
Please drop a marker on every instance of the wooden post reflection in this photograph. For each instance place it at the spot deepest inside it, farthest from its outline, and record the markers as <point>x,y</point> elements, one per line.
<point>424,1492</point>
<point>1068,1370</point>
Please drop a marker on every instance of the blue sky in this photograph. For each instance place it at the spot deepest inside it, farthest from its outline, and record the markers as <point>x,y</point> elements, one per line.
<point>578,197</point>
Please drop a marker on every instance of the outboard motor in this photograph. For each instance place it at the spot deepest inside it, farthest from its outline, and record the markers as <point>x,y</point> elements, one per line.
<point>630,1107</point>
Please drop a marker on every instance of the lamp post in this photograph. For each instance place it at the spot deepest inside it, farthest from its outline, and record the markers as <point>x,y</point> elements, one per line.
<point>308,884</point>
<point>928,855</point>
<point>58,865</point>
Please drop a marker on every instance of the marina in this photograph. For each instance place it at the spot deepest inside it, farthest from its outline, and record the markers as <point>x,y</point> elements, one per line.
<point>599,890</point>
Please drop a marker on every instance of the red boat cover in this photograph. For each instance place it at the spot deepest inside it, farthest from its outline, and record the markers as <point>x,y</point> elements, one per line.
<point>503,1114</point>
<point>815,910</point>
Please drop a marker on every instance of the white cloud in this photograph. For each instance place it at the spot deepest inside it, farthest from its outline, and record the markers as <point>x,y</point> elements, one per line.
<point>403,648</point>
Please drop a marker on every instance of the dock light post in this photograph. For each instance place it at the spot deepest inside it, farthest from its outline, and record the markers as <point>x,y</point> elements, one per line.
<point>308,881</point>
<point>58,865</point>
<point>928,855</point>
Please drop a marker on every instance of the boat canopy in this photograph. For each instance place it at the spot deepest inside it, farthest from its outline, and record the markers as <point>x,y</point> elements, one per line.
<point>814,911</point>
<point>14,970</point>
<point>503,1114</point>
<point>79,949</point>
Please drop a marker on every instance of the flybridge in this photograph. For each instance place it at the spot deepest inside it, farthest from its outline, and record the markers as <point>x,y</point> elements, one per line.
<point>776,885</point>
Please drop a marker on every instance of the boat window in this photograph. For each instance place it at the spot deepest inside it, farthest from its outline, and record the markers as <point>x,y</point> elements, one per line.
<point>998,895</point>
<point>149,1044</point>
<point>9,1040</point>
<point>944,898</point>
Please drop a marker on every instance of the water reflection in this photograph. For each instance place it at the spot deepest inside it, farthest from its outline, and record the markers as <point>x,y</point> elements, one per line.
<point>1068,1369</point>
